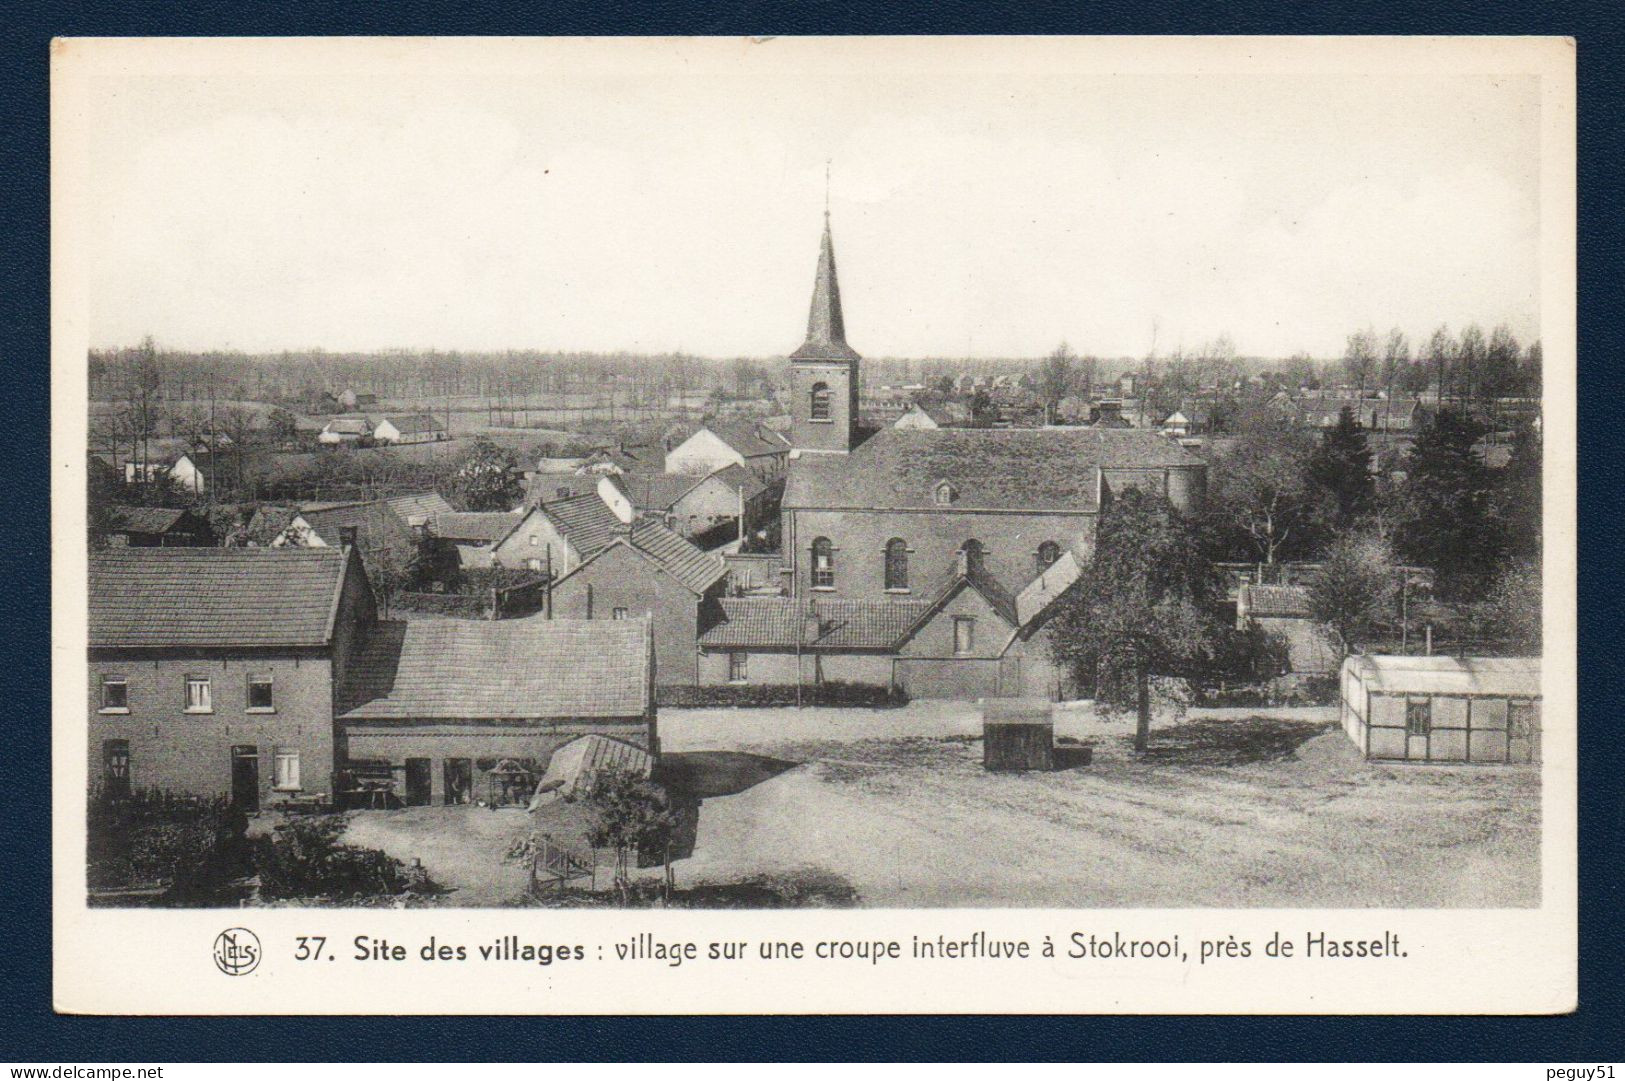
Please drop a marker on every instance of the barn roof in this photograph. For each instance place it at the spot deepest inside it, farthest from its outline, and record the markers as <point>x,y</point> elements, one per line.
<point>459,669</point>
<point>990,469</point>
<point>375,524</point>
<point>145,519</point>
<point>215,597</point>
<point>350,426</point>
<point>418,505</point>
<point>1274,602</point>
<point>1518,676</point>
<point>748,439</point>
<point>485,526</point>
<point>415,423</point>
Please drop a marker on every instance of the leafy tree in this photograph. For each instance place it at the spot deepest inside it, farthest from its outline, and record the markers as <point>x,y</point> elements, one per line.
<point>1341,466</point>
<point>1518,501</point>
<point>1440,357</point>
<point>1142,608</point>
<point>486,479</point>
<point>1360,358</point>
<point>630,814</point>
<point>102,491</point>
<point>1448,521</point>
<point>1353,591</point>
<point>1396,358</point>
<point>1057,376</point>
<point>1511,611</point>
<point>281,425</point>
<point>981,410</point>
<point>1261,497</point>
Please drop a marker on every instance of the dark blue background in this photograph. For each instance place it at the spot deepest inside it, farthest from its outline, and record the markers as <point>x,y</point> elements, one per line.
<point>32,1032</point>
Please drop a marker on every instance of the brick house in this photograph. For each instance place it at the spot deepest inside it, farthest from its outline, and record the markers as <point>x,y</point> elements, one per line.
<point>692,504</point>
<point>647,571</point>
<point>214,671</point>
<point>457,711</point>
<point>558,535</point>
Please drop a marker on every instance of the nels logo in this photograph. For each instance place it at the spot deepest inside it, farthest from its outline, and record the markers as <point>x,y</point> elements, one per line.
<point>236,951</point>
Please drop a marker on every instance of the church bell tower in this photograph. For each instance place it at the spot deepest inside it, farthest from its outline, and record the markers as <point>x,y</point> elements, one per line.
<point>824,371</point>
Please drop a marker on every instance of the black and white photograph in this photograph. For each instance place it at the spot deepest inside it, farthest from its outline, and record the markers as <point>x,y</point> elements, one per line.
<point>741,475</point>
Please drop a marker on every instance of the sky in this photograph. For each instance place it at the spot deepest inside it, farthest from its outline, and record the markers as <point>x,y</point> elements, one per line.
<point>630,201</point>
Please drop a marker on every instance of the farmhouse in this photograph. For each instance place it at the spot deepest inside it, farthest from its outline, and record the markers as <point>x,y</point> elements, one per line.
<point>346,431</point>
<point>411,428</point>
<point>371,525</point>
<point>647,571</point>
<point>1443,709</point>
<point>1372,414</point>
<point>693,504</point>
<point>213,670</point>
<point>559,535</point>
<point>454,711</point>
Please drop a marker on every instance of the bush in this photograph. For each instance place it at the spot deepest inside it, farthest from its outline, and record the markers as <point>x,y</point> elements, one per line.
<point>304,859</point>
<point>757,695</point>
<point>190,844</point>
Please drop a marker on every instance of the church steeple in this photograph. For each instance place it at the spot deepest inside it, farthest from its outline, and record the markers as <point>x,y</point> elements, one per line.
<point>826,328</point>
<point>824,371</point>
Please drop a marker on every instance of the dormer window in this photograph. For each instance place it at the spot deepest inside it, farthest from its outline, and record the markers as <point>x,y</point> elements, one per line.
<point>946,494</point>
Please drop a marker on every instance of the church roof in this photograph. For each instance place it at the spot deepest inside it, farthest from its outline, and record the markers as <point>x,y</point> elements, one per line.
<point>987,469</point>
<point>826,329</point>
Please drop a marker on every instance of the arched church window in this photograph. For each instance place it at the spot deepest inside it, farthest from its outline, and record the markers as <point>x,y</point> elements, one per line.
<point>823,564</point>
<point>1048,553</point>
<point>896,564</point>
<point>820,401</point>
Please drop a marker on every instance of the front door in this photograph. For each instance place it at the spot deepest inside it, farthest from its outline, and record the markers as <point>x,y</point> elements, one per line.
<point>116,768</point>
<point>459,780</point>
<point>418,789</point>
<point>245,777</point>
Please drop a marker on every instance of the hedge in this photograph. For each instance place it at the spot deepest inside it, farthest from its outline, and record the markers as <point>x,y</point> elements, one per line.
<point>829,693</point>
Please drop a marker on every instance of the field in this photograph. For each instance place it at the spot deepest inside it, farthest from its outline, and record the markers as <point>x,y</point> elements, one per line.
<point>1231,808</point>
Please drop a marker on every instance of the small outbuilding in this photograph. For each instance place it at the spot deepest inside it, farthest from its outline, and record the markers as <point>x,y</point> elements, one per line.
<point>1443,709</point>
<point>1017,734</point>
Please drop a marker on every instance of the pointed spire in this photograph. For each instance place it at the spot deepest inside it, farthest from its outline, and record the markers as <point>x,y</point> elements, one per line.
<point>826,329</point>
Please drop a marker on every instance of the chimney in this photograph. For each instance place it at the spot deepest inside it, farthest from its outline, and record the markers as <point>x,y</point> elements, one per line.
<point>962,562</point>
<point>811,625</point>
<point>347,536</point>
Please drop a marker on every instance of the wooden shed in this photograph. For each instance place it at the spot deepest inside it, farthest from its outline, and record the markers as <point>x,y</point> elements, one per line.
<point>1443,709</point>
<point>1017,734</point>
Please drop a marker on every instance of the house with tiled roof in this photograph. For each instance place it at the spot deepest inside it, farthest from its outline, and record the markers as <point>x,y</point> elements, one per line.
<point>410,428</point>
<point>966,637</point>
<point>557,536</point>
<point>459,711</point>
<point>647,571</point>
<point>416,508</point>
<point>370,524</point>
<point>475,533</point>
<point>213,671</point>
<point>693,504</point>
<point>718,445</point>
<point>346,431</point>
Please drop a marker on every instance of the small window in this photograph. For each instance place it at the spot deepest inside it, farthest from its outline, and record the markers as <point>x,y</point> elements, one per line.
<point>534,564</point>
<point>198,698</point>
<point>823,564</point>
<point>115,694</point>
<point>260,697</point>
<point>618,613</point>
<point>946,494</point>
<point>820,401</point>
<point>738,667</point>
<point>896,564</point>
<point>535,541</point>
<point>286,774</point>
<point>1418,716</point>
<point>964,635</point>
<point>1048,553</point>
